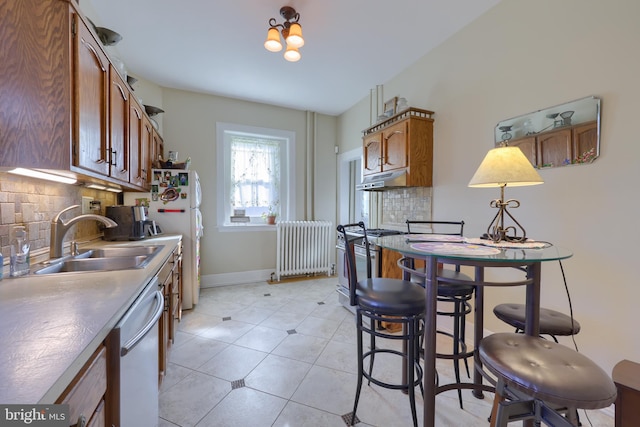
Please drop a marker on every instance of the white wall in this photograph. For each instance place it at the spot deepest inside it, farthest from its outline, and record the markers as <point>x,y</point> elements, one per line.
<point>190,128</point>
<point>519,57</point>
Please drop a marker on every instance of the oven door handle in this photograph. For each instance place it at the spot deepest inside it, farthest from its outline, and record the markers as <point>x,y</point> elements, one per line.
<point>129,345</point>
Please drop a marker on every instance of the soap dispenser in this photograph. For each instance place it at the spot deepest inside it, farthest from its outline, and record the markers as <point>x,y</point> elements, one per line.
<point>19,261</point>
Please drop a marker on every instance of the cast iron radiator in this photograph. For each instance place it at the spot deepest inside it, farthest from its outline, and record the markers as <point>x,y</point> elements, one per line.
<point>304,247</point>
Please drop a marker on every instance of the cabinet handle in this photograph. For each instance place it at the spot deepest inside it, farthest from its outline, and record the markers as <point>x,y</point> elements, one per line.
<point>113,158</point>
<point>121,89</point>
<point>95,53</point>
<point>395,132</point>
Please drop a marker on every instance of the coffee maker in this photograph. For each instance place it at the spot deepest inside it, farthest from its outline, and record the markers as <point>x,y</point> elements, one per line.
<point>130,220</point>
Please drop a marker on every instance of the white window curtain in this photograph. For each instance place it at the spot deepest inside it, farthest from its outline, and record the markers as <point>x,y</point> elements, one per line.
<point>255,174</point>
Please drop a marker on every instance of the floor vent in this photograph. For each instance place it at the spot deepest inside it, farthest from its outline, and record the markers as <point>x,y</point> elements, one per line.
<point>347,419</point>
<point>224,319</point>
<point>292,331</point>
<point>237,384</point>
<point>267,295</point>
<point>321,303</point>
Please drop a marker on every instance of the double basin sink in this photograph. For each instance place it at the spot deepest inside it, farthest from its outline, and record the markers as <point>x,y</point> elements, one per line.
<point>101,259</point>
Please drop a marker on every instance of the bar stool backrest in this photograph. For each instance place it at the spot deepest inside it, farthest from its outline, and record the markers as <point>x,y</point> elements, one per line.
<point>349,241</point>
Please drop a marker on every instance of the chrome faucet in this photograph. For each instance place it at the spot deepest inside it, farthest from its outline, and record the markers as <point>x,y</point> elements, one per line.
<point>59,228</point>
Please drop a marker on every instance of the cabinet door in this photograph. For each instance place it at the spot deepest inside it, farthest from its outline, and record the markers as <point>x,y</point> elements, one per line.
<point>372,154</point>
<point>140,134</point>
<point>554,148</point>
<point>157,145</point>
<point>85,394</point>
<point>135,142</point>
<point>395,146</point>
<point>91,73</point>
<point>528,147</point>
<point>585,140</point>
<point>118,127</point>
<point>146,150</point>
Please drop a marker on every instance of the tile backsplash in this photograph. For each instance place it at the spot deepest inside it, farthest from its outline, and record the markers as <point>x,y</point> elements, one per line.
<point>401,204</point>
<point>33,203</point>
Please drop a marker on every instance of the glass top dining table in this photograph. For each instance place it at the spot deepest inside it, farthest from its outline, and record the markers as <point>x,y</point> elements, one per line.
<point>434,249</point>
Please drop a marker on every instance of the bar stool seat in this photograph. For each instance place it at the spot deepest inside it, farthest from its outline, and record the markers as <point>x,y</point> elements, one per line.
<point>541,376</point>
<point>552,322</point>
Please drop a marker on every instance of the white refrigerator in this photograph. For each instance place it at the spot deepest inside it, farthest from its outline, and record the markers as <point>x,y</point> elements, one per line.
<point>174,205</point>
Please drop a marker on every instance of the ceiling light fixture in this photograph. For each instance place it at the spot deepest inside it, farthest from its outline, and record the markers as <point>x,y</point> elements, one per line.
<point>291,33</point>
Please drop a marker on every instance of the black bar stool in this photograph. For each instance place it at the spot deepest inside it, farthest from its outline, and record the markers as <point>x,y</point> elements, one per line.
<point>390,300</point>
<point>542,379</point>
<point>552,323</point>
<point>451,290</point>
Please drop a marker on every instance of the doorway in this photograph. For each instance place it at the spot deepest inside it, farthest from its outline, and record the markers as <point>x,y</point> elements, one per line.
<point>353,206</point>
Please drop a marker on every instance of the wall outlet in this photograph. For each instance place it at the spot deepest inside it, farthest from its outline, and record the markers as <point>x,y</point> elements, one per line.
<point>86,204</point>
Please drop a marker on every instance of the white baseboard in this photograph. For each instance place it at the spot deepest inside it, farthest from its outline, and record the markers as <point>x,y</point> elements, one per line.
<point>226,279</point>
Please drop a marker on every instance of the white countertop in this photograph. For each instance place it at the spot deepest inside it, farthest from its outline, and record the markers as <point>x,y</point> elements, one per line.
<point>51,324</point>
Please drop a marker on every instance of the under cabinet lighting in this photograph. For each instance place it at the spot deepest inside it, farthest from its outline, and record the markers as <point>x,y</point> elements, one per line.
<point>32,173</point>
<point>103,188</point>
<point>96,186</point>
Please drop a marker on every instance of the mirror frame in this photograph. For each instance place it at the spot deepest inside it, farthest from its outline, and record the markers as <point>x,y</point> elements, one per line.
<point>562,135</point>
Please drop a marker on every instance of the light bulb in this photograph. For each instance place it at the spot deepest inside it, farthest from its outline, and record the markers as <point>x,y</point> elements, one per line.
<point>292,54</point>
<point>294,38</point>
<point>272,44</point>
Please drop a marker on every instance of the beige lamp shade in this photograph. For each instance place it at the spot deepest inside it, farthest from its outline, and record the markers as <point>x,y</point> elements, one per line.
<point>272,44</point>
<point>505,166</point>
<point>292,54</point>
<point>294,38</point>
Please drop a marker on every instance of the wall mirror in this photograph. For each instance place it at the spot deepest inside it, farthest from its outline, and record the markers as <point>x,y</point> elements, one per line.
<point>566,134</point>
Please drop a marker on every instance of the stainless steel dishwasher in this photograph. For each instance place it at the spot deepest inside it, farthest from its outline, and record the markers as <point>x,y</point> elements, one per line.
<point>137,334</point>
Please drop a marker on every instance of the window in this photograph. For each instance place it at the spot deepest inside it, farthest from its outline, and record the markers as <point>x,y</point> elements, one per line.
<point>254,171</point>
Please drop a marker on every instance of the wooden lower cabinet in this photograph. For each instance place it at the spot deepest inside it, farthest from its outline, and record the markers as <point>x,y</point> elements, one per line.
<point>86,393</point>
<point>390,267</point>
<point>170,284</point>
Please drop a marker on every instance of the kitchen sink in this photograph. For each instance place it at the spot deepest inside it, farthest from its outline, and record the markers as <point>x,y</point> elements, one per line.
<point>118,251</point>
<point>95,264</point>
<point>102,259</point>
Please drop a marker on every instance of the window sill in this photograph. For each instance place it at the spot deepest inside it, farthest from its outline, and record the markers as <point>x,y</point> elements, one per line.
<point>245,227</point>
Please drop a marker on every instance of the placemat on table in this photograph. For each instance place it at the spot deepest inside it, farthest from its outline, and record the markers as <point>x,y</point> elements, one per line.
<point>455,248</point>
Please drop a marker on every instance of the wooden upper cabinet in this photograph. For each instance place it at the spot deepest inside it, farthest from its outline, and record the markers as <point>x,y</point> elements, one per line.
<point>372,154</point>
<point>91,75</point>
<point>118,127</point>
<point>395,145</point>
<point>157,144</point>
<point>62,97</point>
<point>528,147</point>
<point>554,148</point>
<point>402,142</point>
<point>140,136</point>
<point>560,147</point>
<point>35,86</point>
<point>146,151</point>
<point>585,139</point>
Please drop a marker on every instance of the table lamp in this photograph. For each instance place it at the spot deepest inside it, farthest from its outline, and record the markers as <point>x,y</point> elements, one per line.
<point>504,166</point>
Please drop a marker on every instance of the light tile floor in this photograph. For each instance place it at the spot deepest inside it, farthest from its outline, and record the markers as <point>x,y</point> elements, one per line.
<point>284,356</point>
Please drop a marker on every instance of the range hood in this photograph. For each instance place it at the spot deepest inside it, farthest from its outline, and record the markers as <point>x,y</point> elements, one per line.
<point>383,181</point>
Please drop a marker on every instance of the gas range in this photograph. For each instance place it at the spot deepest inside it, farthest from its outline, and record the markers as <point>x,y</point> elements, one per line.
<point>378,232</point>
<point>372,235</point>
